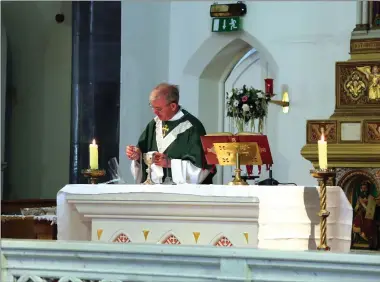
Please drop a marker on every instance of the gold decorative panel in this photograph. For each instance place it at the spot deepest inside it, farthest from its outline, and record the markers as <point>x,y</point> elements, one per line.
<point>314,131</point>
<point>364,46</point>
<point>372,131</point>
<point>357,85</point>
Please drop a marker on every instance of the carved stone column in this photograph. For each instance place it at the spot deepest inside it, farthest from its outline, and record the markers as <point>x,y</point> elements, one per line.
<point>370,14</point>
<point>365,8</point>
<point>359,14</point>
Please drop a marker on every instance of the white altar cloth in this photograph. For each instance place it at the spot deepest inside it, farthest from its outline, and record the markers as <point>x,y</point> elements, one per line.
<point>288,217</point>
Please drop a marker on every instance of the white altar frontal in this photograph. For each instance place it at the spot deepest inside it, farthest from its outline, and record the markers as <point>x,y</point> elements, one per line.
<point>266,217</point>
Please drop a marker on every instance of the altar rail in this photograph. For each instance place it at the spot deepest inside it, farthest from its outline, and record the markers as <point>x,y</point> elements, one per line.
<point>40,261</point>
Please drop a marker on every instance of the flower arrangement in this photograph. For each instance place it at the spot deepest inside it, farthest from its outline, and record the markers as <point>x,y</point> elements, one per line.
<point>245,105</point>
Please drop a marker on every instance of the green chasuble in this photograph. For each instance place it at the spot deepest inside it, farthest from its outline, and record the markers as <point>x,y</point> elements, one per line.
<point>178,139</point>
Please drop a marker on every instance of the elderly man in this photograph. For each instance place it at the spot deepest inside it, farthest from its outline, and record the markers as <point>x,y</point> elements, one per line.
<point>174,136</point>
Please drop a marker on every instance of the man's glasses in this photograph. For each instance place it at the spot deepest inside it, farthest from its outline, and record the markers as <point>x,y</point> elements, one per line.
<point>158,109</point>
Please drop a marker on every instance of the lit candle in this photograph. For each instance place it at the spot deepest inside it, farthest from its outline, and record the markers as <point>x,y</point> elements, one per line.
<point>269,86</point>
<point>322,152</point>
<point>94,164</point>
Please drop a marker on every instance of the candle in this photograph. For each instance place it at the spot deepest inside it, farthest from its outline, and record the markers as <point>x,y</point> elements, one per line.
<point>269,86</point>
<point>322,152</point>
<point>94,163</point>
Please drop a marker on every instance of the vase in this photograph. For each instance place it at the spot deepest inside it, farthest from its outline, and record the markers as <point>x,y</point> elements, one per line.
<point>261,125</point>
<point>254,125</point>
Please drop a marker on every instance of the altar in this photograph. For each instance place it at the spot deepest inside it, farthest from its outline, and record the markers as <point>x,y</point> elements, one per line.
<point>267,217</point>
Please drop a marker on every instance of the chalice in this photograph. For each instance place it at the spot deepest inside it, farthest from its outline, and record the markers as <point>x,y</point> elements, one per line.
<point>148,160</point>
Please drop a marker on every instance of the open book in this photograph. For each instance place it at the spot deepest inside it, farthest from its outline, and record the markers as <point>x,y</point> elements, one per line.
<point>227,137</point>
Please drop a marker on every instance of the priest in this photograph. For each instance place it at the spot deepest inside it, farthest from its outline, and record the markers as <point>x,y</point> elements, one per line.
<point>173,137</point>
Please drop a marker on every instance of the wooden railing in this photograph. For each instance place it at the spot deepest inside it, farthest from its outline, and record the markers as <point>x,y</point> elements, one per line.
<point>40,261</point>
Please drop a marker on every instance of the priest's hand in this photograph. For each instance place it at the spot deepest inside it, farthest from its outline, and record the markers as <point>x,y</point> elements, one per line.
<point>133,153</point>
<point>161,160</point>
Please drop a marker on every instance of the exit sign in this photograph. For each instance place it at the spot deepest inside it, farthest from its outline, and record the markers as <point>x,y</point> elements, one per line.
<point>225,24</point>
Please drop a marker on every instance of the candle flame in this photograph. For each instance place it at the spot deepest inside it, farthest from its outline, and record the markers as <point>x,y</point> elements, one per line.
<point>93,142</point>
<point>322,137</point>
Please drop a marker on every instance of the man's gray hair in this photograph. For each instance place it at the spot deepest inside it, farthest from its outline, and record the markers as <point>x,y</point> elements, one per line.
<point>170,91</point>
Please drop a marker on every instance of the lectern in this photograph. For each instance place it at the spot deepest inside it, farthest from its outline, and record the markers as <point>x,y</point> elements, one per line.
<point>244,148</point>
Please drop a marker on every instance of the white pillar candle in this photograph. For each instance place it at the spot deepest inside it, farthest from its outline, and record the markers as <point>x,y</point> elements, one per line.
<point>94,163</point>
<point>322,152</point>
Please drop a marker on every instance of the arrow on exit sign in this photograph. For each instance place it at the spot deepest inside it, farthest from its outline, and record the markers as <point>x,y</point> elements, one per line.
<point>226,24</point>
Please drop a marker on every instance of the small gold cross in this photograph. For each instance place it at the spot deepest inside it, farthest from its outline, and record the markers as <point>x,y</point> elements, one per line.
<point>165,130</point>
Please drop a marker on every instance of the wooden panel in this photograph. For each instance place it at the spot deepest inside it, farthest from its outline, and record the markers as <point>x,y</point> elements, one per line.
<point>314,130</point>
<point>27,228</point>
<point>356,85</point>
<point>372,131</point>
<point>14,207</point>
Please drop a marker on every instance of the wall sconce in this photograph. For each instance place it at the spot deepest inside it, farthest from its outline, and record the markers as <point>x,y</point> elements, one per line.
<point>284,102</point>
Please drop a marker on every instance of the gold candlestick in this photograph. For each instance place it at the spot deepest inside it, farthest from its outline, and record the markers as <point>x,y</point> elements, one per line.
<point>322,175</point>
<point>238,180</point>
<point>93,175</point>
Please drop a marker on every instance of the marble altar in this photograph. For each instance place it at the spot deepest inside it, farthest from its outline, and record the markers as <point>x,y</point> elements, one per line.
<point>267,217</point>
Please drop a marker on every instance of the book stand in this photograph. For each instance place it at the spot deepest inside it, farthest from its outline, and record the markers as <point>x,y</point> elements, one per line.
<point>238,153</point>
<point>239,149</point>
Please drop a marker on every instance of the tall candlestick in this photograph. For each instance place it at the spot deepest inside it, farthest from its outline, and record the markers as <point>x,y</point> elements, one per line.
<point>94,163</point>
<point>322,152</point>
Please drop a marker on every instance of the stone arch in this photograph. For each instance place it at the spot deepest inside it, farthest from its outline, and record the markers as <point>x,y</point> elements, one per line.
<point>354,177</point>
<point>239,70</point>
<point>207,70</point>
<point>213,47</point>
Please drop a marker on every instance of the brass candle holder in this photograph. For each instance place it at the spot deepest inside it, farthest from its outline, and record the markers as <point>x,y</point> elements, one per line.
<point>93,175</point>
<point>323,176</point>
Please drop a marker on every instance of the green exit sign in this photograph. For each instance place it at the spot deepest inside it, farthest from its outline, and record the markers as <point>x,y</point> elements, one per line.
<point>226,24</point>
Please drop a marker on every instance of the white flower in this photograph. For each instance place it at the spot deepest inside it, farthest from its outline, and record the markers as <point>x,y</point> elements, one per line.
<point>245,107</point>
<point>236,103</point>
<point>229,95</point>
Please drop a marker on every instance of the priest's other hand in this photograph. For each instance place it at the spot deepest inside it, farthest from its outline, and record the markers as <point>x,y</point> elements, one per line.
<point>161,160</point>
<point>133,153</point>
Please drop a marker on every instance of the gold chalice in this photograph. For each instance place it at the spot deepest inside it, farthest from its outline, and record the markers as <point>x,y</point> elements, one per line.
<point>148,160</point>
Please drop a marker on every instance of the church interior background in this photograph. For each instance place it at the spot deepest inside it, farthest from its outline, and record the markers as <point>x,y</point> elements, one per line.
<point>67,81</point>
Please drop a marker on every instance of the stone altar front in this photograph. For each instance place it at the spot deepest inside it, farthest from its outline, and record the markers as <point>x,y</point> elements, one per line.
<point>267,217</point>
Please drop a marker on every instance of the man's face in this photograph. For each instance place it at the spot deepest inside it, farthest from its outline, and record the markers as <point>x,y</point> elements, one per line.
<point>161,108</point>
<point>364,188</point>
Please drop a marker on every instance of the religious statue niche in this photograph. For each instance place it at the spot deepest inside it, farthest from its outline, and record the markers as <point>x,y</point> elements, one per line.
<point>358,85</point>
<point>364,197</point>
